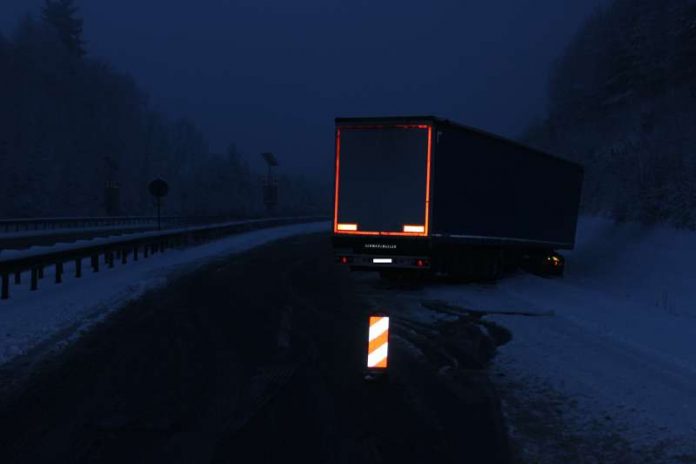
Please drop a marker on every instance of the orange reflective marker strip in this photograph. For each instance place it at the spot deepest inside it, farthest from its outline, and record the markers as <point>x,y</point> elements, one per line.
<point>379,341</point>
<point>378,348</point>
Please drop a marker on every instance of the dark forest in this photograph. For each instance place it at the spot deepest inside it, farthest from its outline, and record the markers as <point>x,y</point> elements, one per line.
<point>78,138</point>
<point>623,103</point>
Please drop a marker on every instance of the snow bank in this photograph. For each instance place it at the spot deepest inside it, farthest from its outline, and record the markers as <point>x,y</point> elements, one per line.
<point>29,318</point>
<point>621,337</point>
<point>59,230</point>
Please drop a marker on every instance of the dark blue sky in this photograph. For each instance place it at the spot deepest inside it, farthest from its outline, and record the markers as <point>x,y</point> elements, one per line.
<point>272,75</point>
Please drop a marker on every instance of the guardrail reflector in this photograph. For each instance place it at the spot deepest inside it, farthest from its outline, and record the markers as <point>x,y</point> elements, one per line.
<point>378,347</point>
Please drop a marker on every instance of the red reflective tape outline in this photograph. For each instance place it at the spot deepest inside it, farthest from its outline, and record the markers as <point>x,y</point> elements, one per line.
<point>405,233</point>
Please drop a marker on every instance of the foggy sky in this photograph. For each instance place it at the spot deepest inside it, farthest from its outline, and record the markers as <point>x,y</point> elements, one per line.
<point>271,75</point>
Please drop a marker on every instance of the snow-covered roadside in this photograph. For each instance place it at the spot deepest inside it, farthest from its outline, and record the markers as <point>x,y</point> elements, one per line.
<point>617,342</point>
<point>34,233</point>
<point>29,318</point>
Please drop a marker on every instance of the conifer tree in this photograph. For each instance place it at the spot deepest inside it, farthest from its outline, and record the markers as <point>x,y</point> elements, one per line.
<point>61,15</point>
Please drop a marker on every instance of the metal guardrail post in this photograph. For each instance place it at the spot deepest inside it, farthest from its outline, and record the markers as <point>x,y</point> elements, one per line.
<point>34,278</point>
<point>59,272</point>
<point>5,292</point>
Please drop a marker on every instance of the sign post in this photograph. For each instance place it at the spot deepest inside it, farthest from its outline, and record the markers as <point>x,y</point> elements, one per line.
<point>270,188</point>
<point>158,189</point>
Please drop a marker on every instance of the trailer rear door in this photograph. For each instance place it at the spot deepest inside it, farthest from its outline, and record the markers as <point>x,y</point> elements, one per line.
<point>382,179</point>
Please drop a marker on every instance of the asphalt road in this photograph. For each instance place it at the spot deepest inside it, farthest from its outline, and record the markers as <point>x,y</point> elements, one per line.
<point>257,358</point>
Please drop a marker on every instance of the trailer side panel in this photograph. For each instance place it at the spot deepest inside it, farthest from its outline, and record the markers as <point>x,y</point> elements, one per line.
<point>494,191</point>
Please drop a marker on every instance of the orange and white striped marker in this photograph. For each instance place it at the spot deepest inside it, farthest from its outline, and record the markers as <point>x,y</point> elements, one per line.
<point>378,347</point>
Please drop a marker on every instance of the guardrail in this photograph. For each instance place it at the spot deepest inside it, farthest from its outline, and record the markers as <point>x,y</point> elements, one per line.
<point>121,248</point>
<point>21,224</point>
<point>31,238</point>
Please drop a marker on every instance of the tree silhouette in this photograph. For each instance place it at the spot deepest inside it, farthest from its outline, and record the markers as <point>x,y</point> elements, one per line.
<point>61,15</point>
<point>60,118</point>
<point>622,101</point>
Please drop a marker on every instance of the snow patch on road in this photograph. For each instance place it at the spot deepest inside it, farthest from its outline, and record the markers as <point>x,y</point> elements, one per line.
<point>30,318</point>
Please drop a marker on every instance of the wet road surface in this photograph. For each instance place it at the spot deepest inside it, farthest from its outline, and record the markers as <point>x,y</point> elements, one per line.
<point>256,358</point>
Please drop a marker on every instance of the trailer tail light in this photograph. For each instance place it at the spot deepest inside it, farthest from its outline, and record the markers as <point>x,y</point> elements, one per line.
<point>421,263</point>
<point>347,227</point>
<point>414,229</point>
<point>345,259</point>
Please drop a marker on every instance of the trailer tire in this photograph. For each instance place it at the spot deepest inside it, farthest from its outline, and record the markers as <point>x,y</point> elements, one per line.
<point>492,266</point>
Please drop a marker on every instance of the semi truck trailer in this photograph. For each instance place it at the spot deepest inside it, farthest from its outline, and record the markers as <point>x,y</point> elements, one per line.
<point>421,193</point>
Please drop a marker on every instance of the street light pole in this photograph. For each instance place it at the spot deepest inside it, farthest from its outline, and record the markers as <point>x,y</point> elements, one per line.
<point>270,189</point>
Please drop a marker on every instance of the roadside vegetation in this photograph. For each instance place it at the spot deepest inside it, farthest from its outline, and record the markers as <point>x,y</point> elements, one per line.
<point>78,137</point>
<point>622,101</point>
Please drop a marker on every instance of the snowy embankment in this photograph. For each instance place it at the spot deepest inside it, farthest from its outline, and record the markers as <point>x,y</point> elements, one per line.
<point>616,337</point>
<point>61,311</point>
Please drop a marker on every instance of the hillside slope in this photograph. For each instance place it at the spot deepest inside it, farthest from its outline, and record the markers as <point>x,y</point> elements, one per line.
<point>622,101</point>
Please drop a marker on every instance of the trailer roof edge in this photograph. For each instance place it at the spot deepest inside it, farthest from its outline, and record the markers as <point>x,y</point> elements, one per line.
<point>447,122</point>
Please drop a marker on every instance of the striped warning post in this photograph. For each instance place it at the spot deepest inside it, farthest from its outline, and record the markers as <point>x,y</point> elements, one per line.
<point>378,348</point>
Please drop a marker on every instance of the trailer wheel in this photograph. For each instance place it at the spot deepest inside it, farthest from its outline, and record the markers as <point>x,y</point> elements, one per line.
<point>498,259</point>
<point>545,264</point>
<point>493,265</point>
